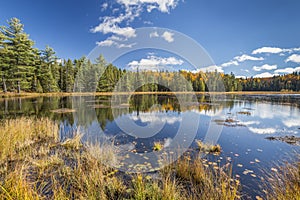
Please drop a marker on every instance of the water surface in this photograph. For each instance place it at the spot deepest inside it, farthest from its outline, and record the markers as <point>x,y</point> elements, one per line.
<point>244,120</point>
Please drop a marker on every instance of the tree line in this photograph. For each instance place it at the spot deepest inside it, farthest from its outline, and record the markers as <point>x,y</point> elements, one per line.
<point>28,69</point>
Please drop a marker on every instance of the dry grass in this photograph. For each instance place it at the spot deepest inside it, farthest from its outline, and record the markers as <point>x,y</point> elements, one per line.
<point>283,183</point>
<point>35,165</point>
<point>208,148</point>
<point>203,182</point>
<point>157,146</point>
<point>18,135</point>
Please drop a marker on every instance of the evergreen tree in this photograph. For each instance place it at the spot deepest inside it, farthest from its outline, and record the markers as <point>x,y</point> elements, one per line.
<point>55,71</point>
<point>4,62</point>
<point>21,55</point>
<point>69,76</point>
<point>101,67</point>
<point>45,74</point>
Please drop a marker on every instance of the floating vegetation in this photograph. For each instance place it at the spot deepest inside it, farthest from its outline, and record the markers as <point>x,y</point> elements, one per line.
<point>293,140</point>
<point>274,169</point>
<point>253,175</point>
<point>157,146</point>
<point>244,113</point>
<point>258,198</point>
<point>63,110</point>
<point>229,122</point>
<point>247,171</point>
<point>208,147</point>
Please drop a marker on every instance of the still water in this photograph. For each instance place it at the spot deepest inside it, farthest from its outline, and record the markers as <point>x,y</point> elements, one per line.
<point>239,123</point>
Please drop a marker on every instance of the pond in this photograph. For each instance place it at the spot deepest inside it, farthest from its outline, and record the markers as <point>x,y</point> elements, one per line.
<point>239,123</point>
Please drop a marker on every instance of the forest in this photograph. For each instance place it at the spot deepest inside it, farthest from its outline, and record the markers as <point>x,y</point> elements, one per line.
<point>25,68</point>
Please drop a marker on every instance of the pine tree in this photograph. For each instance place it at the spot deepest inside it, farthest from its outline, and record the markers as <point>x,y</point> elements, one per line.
<point>21,55</point>
<point>69,76</point>
<point>45,74</point>
<point>3,61</point>
<point>35,83</point>
<point>55,71</point>
<point>100,67</point>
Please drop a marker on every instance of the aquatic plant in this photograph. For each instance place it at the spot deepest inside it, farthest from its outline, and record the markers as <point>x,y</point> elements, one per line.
<point>157,146</point>
<point>208,147</point>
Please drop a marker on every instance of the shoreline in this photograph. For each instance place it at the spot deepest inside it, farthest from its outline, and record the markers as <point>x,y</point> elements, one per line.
<point>65,94</point>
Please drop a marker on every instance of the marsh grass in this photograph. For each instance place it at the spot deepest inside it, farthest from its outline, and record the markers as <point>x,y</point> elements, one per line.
<point>34,164</point>
<point>207,183</point>
<point>157,146</point>
<point>208,148</point>
<point>283,182</point>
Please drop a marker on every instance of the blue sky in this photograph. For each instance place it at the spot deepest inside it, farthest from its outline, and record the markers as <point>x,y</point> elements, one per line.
<point>249,38</point>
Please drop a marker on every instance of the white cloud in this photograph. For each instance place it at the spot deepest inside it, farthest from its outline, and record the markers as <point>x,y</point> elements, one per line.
<point>106,43</point>
<point>296,49</point>
<point>248,123</point>
<point>291,122</point>
<point>293,58</point>
<point>115,41</point>
<point>154,63</point>
<point>264,67</point>
<point>168,36</point>
<point>148,22</point>
<point>288,70</point>
<point>245,57</point>
<point>265,75</point>
<point>116,38</point>
<point>126,45</point>
<point>154,34</point>
<point>111,25</point>
<point>104,6</point>
<point>262,130</point>
<point>115,10</point>
<point>132,10</point>
<point>150,8</point>
<point>161,5</point>
<point>272,50</point>
<point>232,62</point>
<point>156,118</point>
<point>211,68</point>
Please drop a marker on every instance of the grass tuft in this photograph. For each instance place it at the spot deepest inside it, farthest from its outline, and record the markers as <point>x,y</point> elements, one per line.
<point>208,148</point>
<point>283,183</point>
